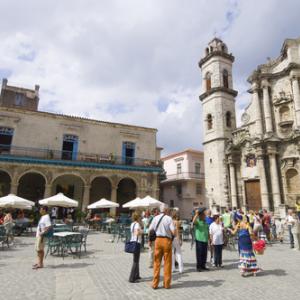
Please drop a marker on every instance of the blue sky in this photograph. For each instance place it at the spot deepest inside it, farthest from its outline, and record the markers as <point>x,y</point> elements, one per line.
<point>136,61</point>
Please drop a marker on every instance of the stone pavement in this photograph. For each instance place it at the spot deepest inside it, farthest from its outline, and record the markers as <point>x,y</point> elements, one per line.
<point>102,273</point>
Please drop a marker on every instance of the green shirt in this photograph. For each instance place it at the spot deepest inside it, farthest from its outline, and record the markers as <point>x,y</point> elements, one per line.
<point>226,220</point>
<point>201,231</point>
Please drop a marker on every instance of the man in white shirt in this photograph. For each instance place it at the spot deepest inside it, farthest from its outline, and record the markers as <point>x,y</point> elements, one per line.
<point>217,240</point>
<point>290,223</point>
<point>165,230</point>
<point>43,226</point>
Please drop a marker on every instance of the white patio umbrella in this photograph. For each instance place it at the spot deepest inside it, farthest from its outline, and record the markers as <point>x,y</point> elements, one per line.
<point>59,200</point>
<point>144,202</point>
<point>13,201</point>
<point>103,203</point>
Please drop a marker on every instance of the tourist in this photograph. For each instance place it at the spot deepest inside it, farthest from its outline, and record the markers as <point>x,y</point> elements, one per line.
<point>251,217</point>
<point>226,218</point>
<point>289,221</point>
<point>279,224</point>
<point>273,226</point>
<point>69,220</point>
<point>247,264</point>
<point>176,244</point>
<point>296,231</point>
<point>43,227</point>
<point>145,222</point>
<point>136,233</point>
<point>154,213</point>
<point>266,224</point>
<point>8,224</point>
<point>209,220</point>
<point>165,230</point>
<point>201,237</point>
<point>257,225</point>
<point>216,232</point>
<point>54,212</point>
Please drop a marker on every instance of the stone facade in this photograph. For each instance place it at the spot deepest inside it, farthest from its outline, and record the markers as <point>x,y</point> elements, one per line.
<point>256,165</point>
<point>43,153</point>
<point>183,186</point>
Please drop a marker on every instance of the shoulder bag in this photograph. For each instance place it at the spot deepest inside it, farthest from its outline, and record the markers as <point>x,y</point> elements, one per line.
<point>152,232</point>
<point>132,246</point>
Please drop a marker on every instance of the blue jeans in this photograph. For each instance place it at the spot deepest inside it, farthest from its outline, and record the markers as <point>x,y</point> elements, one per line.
<point>291,236</point>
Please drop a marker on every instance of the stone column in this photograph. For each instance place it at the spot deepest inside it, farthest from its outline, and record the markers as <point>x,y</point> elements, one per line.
<point>296,94</point>
<point>48,189</point>
<point>274,181</point>
<point>14,188</point>
<point>263,181</point>
<point>257,110</point>
<point>267,106</point>
<point>114,189</point>
<point>233,188</point>
<point>86,197</point>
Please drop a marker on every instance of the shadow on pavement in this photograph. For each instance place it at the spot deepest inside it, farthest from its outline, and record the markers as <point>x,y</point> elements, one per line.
<point>70,266</point>
<point>275,272</point>
<point>198,283</point>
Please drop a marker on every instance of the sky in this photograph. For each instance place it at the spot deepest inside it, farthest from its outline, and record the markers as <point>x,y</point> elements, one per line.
<point>136,61</point>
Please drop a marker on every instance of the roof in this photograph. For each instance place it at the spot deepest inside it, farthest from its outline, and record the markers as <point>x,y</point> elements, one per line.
<point>189,150</point>
<point>73,118</point>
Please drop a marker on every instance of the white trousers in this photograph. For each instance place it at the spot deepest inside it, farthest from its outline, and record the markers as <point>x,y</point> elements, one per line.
<point>176,253</point>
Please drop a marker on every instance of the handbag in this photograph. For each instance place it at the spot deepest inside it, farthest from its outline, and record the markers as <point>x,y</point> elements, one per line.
<point>132,246</point>
<point>152,232</point>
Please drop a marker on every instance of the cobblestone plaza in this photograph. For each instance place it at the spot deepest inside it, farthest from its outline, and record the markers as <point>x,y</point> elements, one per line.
<point>102,273</point>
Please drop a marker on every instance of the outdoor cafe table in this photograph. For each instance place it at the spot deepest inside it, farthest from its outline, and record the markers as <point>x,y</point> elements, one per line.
<point>62,236</point>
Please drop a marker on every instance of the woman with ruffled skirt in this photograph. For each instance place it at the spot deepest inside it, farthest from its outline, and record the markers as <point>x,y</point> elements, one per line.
<point>248,263</point>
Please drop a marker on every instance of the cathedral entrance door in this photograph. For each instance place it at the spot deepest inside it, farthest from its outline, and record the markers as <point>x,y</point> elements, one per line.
<point>253,196</point>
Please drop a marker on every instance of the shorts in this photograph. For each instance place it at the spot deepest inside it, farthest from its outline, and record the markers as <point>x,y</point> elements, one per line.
<point>40,243</point>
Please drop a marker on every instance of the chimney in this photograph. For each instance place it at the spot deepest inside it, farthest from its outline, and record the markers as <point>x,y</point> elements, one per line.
<point>4,82</point>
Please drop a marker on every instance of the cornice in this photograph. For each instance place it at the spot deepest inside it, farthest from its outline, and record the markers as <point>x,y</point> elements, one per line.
<point>218,89</point>
<point>215,53</point>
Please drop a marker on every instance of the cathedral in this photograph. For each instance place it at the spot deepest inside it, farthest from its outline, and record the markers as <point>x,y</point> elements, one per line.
<point>254,166</point>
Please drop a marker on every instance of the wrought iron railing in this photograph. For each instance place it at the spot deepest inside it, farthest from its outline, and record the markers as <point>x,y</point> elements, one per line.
<point>184,175</point>
<point>50,154</point>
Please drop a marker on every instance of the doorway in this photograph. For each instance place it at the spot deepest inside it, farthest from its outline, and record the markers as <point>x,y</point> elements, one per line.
<point>6,135</point>
<point>128,153</point>
<point>70,147</point>
<point>253,195</point>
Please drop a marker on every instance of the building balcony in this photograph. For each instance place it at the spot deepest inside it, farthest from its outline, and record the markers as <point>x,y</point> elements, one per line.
<point>79,159</point>
<point>184,176</point>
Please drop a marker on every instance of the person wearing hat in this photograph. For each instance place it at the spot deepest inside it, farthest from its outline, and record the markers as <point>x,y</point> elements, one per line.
<point>201,237</point>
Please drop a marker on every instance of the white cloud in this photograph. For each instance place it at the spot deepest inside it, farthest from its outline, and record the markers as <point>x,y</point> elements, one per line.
<point>114,60</point>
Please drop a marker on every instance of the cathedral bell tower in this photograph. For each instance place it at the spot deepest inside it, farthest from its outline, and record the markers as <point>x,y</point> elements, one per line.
<point>218,101</point>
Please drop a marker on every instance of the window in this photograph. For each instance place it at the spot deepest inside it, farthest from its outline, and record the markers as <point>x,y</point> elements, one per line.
<point>70,147</point>
<point>198,189</point>
<point>18,99</point>
<point>6,135</point>
<point>128,153</point>
<point>197,168</point>
<point>179,170</point>
<point>209,121</point>
<point>171,203</point>
<point>228,119</point>
<point>225,79</point>
<point>178,190</point>
<point>208,81</point>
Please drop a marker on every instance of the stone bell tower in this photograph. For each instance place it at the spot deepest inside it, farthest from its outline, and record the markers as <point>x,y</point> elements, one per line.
<point>219,120</point>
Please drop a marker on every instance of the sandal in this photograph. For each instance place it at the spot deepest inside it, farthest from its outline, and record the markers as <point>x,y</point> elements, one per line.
<point>37,267</point>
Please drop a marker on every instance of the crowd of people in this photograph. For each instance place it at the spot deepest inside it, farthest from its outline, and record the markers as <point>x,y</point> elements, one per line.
<point>210,234</point>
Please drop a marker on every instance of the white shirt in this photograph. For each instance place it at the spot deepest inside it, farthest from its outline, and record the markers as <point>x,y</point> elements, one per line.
<point>134,227</point>
<point>290,220</point>
<point>43,223</point>
<point>216,230</point>
<point>165,228</point>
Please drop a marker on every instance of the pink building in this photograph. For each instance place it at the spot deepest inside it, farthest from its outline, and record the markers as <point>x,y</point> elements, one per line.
<point>184,184</point>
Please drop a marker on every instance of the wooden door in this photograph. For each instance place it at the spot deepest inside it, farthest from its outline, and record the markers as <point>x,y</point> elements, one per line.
<point>253,196</point>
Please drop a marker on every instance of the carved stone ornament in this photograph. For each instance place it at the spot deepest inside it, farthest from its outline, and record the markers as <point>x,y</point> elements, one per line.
<point>245,118</point>
<point>250,160</point>
<point>282,98</point>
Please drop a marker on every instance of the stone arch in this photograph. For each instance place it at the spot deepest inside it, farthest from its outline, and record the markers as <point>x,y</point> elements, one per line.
<point>225,76</point>
<point>31,185</point>
<point>126,191</point>
<point>101,187</point>
<point>68,174</point>
<point>208,81</point>
<point>71,185</point>
<point>292,181</point>
<point>5,183</point>
<point>32,171</point>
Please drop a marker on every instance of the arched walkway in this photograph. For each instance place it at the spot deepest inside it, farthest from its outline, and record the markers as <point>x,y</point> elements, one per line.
<point>100,188</point>
<point>4,183</point>
<point>70,185</point>
<point>31,186</point>
<point>126,191</point>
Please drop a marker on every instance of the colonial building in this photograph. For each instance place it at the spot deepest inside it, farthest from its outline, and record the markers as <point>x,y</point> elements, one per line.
<point>43,153</point>
<point>183,186</point>
<point>256,165</point>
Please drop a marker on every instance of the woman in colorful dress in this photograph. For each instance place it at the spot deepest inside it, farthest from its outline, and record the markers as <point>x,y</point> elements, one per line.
<point>247,264</point>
